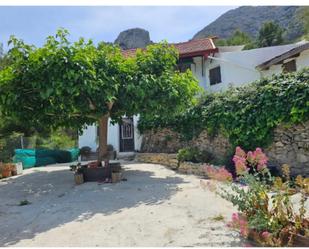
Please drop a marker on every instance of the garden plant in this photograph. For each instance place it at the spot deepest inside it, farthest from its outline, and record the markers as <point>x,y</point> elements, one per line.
<point>266,212</point>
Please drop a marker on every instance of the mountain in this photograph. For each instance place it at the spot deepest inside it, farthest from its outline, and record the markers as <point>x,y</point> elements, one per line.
<point>133,38</point>
<point>250,18</point>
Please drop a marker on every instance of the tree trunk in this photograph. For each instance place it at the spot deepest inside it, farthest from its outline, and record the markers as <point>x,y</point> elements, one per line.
<point>103,131</point>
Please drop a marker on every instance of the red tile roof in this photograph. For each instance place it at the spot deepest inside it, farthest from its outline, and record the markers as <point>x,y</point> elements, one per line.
<point>128,52</point>
<point>195,46</point>
<point>186,49</point>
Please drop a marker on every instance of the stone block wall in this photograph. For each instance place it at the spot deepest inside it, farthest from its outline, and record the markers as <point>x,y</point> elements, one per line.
<point>290,146</point>
<point>171,162</point>
<point>167,141</point>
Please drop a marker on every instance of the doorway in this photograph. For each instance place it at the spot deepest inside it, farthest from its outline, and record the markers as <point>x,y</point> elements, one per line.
<point>126,131</point>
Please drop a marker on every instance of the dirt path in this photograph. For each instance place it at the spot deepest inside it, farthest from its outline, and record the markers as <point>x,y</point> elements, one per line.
<point>155,207</point>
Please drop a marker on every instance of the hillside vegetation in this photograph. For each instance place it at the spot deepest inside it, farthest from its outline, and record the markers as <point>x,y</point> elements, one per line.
<point>249,19</point>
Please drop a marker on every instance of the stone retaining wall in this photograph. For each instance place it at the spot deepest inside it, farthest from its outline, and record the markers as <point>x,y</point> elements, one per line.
<point>171,162</point>
<point>167,141</point>
<point>290,146</point>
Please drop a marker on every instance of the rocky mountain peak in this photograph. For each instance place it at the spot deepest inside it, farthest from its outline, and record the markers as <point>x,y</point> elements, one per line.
<point>133,38</point>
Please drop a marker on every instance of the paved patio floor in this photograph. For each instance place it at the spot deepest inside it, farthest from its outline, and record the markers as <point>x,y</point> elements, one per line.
<point>154,207</point>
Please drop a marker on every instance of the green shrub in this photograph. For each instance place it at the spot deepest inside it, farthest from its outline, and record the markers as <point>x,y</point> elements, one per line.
<point>193,154</point>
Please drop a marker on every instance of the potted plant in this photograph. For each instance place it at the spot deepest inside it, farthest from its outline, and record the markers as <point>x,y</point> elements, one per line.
<point>85,152</point>
<point>112,154</point>
<point>6,170</point>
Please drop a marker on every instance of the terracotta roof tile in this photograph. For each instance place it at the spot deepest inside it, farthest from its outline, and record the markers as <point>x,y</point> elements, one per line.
<point>188,48</point>
<point>194,46</point>
<point>128,52</point>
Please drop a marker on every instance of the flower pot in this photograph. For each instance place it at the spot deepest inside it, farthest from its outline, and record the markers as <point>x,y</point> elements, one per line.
<point>78,178</point>
<point>6,173</point>
<point>116,177</point>
<point>13,170</point>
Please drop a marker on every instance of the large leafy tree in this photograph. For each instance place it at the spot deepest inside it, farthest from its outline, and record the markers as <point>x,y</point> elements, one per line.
<point>64,84</point>
<point>270,34</point>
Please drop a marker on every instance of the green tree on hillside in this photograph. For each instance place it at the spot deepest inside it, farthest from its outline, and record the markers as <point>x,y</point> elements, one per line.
<point>238,38</point>
<point>64,84</point>
<point>270,34</point>
<point>304,18</point>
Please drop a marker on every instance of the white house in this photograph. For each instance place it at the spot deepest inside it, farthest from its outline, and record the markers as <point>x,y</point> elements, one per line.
<point>241,67</point>
<point>216,68</point>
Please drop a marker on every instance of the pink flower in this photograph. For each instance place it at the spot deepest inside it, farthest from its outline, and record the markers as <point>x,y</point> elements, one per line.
<point>240,152</point>
<point>239,223</point>
<point>219,174</point>
<point>265,234</point>
<point>240,164</point>
<point>243,161</point>
<point>250,157</point>
<point>235,217</point>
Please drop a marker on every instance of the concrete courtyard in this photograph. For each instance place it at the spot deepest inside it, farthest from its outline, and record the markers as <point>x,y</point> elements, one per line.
<point>154,207</point>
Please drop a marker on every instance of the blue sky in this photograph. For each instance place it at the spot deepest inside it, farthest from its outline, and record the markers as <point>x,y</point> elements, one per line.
<point>34,24</point>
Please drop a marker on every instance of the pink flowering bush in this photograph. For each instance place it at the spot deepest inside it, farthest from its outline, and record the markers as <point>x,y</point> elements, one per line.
<point>219,174</point>
<point>255,160</point>
<point>258,220</point>
<point>240,223</point>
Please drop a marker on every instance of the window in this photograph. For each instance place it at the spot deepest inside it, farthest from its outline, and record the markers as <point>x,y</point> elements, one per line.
<point>184,64</point>
<point>127,128</point>
<point>215,76</point>
<point>289,67</point>
<point>184,67</point>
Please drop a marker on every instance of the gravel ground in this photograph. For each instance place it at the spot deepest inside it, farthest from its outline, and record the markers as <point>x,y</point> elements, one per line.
<point>154,207</point>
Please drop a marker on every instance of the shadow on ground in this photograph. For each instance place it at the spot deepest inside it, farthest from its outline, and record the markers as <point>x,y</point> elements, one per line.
<point>56,200</point>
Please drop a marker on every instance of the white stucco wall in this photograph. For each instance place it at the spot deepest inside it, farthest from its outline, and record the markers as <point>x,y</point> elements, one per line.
<point>196,69</point>
<point>303,60</point>
<point>113,135</point>
<point>239,67</point>
<point>89,136</point>
<point>274,69</point>
<point>137,136</point>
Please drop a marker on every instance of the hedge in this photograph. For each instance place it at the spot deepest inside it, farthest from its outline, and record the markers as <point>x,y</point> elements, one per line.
<point>247,115</point>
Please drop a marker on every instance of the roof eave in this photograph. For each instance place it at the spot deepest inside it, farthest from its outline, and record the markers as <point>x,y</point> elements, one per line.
<point>199,53</point>
<point>279,58</point>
